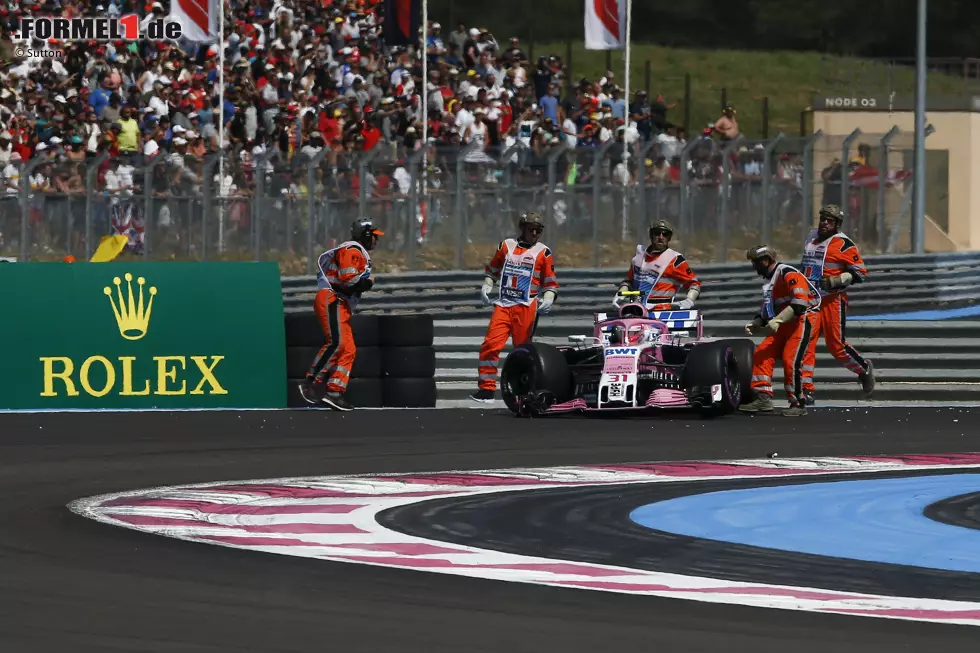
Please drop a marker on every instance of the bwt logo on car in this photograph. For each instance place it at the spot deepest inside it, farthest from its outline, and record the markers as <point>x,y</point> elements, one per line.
<point>124,28</point>
<point>614,351</point>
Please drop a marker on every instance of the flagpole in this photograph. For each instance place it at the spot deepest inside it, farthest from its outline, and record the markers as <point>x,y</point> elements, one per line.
<point>425,103</point>
<point>626,123</point>
<point>221,125</point>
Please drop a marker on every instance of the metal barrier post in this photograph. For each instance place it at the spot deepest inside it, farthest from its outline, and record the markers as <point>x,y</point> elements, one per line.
<point>148,173</point>
<point>808,181</point>
<point>880,225</point>
<point>362,165</point>
<point>845,176</point>
<point>597,158</point>
<point>919,243</point>
<point>504,163</point>
<point>311,206</point>
<point>91,176</point>
<point>905,211</point>
<point>549,210</point>
<point>685,189</point>
<point>260,160</point>
<point>413,227</point>
<point>767,185</point>
<point>207,198</point>
<point>462,228</point>
<point>641,182</point>
<point>25,202</point>
<point>726,189</point>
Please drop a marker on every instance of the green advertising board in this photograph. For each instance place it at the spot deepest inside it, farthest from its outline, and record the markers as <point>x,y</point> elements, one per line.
<point>141,335</point>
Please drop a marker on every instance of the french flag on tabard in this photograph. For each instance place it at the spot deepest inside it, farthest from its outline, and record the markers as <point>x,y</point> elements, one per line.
<point>605,24</point>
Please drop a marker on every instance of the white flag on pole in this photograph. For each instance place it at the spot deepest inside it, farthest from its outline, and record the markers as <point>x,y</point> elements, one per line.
<point>198,19</point>
<point>605,24</point>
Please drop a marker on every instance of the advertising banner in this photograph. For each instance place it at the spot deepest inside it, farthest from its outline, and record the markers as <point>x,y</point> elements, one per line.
<point>141,335</point>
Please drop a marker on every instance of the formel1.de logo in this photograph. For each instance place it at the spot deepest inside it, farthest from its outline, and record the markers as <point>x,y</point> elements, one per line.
<point>123,28</point>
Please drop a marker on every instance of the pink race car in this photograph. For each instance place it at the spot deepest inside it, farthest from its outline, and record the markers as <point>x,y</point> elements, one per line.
<point>636,361</point>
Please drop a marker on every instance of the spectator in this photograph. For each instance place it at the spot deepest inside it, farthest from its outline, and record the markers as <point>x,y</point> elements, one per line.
<point>640,114</point>
<point>307,80</point>
<point>616,104</point>
<point>726,126</point>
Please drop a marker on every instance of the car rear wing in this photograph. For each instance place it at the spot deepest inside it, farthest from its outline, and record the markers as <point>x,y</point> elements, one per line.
<point>680,321</point>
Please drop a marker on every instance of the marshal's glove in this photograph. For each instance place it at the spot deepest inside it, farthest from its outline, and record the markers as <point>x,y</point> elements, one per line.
<point>363,285</point>
<point>547,299</point>
<point>687,303</point>
<point>784,316</point>
<point>842,280</point>
<point>754,326</point>
<point>619,298</point>
<point>485,291</point>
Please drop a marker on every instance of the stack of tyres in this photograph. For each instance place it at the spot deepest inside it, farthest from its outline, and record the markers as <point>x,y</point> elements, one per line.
<point>408,360</point>
<point>304,338</point>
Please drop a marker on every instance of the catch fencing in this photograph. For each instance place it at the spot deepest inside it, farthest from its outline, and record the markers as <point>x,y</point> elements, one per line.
<point>444,207</point>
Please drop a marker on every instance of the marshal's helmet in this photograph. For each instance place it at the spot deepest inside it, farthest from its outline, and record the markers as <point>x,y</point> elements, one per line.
<point>363,228</point>
<point>531,218</point>
<point>661,226</point>
<point>760,252</point>
<point>832,211</point>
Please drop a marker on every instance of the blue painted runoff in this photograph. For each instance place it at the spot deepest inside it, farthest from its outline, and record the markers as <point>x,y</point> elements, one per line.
<point>948,314</point>
<point>877,520</point>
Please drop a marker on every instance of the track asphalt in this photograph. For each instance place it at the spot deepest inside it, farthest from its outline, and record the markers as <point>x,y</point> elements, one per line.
<point>71,584</point>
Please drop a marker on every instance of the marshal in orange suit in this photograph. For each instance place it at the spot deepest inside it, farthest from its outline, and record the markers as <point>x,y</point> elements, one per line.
<point>788,318</point>
<point>832,263</point>
<point>528,286</point>
<point>343,275</point>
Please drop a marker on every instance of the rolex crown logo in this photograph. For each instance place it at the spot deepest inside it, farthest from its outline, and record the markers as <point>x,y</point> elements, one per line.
<point>132,318</point>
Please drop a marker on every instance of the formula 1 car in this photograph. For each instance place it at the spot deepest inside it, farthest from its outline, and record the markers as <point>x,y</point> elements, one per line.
<point>636,361</point>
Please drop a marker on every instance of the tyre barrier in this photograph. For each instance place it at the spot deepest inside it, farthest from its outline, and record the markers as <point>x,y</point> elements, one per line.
<point>394,366</point>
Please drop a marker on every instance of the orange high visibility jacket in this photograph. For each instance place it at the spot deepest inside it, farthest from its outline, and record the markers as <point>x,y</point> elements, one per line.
<point>340,268</point>
<point>523,272</point>
<point>830,258</point>
<point>659,276</point>
<point>787,287</point>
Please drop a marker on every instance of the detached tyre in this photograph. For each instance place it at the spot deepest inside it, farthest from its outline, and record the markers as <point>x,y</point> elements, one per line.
<point>744,350</point>
<point>710,365</point>
<point>534,368</point>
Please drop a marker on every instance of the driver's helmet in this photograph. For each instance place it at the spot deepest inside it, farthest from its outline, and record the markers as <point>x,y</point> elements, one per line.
<point>635,334</point>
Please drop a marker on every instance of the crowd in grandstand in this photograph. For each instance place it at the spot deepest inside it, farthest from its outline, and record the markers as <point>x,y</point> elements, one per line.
<point>308,79</point>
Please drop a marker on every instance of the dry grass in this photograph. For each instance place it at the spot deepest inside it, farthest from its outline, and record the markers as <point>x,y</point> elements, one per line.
<point>788,79</point>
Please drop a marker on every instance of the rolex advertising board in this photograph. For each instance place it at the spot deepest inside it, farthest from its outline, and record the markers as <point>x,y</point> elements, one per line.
<point>141,335</point>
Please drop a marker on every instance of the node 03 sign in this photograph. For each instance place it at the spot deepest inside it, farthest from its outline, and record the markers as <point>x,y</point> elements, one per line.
<point>142,335</point>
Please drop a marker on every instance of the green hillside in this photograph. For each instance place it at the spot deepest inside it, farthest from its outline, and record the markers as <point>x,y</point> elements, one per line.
<point>789,79</point>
